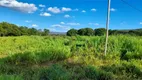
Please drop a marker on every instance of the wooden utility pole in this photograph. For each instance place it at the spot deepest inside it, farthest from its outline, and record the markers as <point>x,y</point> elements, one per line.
<point>107,26</point>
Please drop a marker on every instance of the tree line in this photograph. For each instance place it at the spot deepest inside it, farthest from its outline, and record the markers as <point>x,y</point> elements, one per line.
<point>8,29</point>
<point>102,31</point>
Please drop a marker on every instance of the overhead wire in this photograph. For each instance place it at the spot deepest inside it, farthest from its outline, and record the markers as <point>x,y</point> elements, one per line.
<point>131,6</point>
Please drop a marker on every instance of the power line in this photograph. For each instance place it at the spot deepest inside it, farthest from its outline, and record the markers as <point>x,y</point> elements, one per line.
<point>131,6</point>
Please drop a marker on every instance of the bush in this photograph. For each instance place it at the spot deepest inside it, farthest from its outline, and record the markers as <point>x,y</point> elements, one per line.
<point>53,54</point>
<point>23,59</point>
<point>96,74</point>
<point>10,69</point>
<point>30,58</point>
<point>55,72</point>
<point>124,68</point>
<point>92,73</point>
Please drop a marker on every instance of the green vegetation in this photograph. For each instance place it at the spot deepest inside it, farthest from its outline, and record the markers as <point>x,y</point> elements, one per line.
<point>102,31</point>
<point>72,32</point>
<point>70,58</point>
<point>7,29</point>
<point>86,31</point>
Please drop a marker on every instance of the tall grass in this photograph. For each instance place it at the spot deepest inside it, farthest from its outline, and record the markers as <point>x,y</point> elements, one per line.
<point>70,58</point>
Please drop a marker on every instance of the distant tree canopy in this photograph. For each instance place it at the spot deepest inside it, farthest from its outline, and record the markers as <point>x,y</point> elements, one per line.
<point>86,31</point>
<point>72,32</point>
<point>7,29</point>
<point>102,31</point>
<point>135,32</point>
<point>45,32</point>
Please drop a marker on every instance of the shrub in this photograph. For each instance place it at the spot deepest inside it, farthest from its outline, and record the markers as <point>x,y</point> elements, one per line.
<point>10,69</point>
<point>30,58</point>
<point>23,59</point>
<point>124,68</point>
<point>53,54</point>
<point>55,72</point>
<point>96,74</point>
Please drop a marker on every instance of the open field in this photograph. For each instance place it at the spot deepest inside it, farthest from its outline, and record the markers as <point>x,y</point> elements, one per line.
<point>70,58</point>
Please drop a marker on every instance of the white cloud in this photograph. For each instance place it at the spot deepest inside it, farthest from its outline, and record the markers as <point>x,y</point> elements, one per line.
<point>96,24</point>
<point>57,26</point>
<point>73,24</point>
<point>60,27</point>
<point>112,9</point>
<point>70,24</point>
<point>62,22</point>
<point>93,9</point>
<point>140,22</point>
<point>67,16</point>
<point>45,14</point>
<point>20,6</point>
<point>34,25</point>
<point>54,9</point>
<point>28,21</point>
<point>66,9</point>
<point>76,9</point>
<point>41,5</point>
<point>83,11</point>
<point>59,10</point>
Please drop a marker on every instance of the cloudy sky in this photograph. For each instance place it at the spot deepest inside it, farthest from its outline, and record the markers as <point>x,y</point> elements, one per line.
<point>62,15</point>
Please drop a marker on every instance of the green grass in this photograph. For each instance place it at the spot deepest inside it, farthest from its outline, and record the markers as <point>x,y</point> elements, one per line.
<point>70,58</point>
<point>10,77</point>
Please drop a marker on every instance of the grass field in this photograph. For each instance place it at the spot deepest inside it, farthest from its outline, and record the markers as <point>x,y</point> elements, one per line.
<point>70,58</point>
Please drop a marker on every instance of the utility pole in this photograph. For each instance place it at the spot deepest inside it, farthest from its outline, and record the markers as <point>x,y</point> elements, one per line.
<point>107,26</point>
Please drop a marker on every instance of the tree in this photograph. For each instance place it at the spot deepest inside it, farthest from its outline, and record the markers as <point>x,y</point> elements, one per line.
<point>46,32</point>
<point>8,29</point>
<point>23,30</point>
<point>89,32</point>
<point>86,31</point>
<point>81,31</point>
<point>1,31</point>
<point>113,32</point>
<point>72,32</point>
<point>100,31</point>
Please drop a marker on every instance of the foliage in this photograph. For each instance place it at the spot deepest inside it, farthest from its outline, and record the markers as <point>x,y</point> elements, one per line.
<point>7,29</point>
<point>72,32</point>
<point>100,31</point>
<point>10,77</point>
<point>86,31</point>
<point>55,72</point>
<point>96,74</point>
<point>70,58</point>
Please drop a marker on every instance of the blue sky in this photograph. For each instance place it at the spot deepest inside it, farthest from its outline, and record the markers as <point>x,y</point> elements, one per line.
<point>62,15</point>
